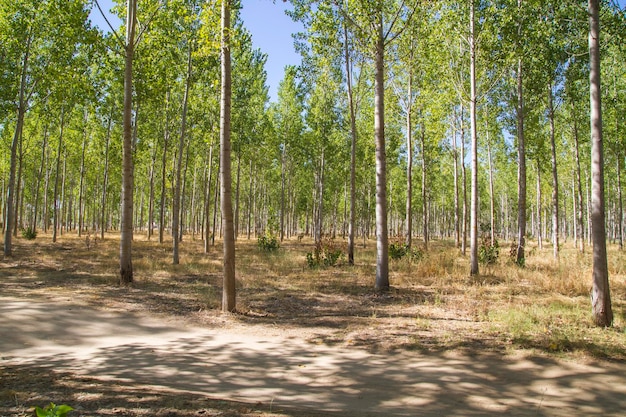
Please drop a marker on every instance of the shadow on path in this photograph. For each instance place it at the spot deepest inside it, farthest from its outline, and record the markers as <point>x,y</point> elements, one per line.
<point>137,350</point>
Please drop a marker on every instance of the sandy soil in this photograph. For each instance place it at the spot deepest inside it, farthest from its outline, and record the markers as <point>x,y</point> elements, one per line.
<point>115,363</point>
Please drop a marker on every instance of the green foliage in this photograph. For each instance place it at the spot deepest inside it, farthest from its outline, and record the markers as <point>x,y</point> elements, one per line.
<point>488,251</point>
<point>399,250</point>
<point>29,233</point>
<point>53,410</point>
<point>268,242</point>
<point>326,253</point>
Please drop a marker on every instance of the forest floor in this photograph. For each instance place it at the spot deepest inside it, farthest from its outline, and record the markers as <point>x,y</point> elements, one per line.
<point>304,342</point>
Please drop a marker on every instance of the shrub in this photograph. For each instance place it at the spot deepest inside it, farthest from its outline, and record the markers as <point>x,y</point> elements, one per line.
<point>326,253</point>
<point>399,250</point>
<point>268,242</point>
<point>53,410</point>
<point>488,251</point>
<point>29,233</point>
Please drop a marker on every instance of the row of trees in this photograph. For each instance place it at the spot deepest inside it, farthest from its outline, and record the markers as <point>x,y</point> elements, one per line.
<point>469,103</point>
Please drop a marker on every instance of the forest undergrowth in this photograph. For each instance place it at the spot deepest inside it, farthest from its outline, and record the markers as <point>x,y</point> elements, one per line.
<point>434,306</point>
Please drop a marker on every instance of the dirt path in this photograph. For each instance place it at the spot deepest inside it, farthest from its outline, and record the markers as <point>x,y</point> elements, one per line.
<point>287,372</point>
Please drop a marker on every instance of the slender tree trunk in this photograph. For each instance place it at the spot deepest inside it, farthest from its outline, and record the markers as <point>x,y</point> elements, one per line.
<point>17,136</point>
<point>579,192</point>
<point>179,165</point>
<point>353,139</point>
<point>464,179</point>
<point>282,191</point>
<point>250,200</point>
<point>56,178</point>
<point>555,178</point>
<point>44,147</point>
<point>151,194</point>
<point>474,197</point>
<point>491,193</point>
<point>382,239</point>
<point>18,189</point>
<point>600,294</point>
<point>237,194</point>
<point>228,296</point>
<point>620,207</point>
<point>207,204</point>
<point>455,156</point>
<point>425,197</point>
<point>539,219</point>
<point>126,266</point>
<point>166,139</point>
<point>409,160</point>
<point>521,160</point>
<point>105,179</point>
<point>215,201</point>
<point>81,186</point>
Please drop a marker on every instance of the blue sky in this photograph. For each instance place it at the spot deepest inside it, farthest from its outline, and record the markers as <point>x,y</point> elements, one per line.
<point>271,32</point>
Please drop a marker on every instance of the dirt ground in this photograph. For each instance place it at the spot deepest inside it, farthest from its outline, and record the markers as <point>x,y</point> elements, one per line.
<point>161,348</point>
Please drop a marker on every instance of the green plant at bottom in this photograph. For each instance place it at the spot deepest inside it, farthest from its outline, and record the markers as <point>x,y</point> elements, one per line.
<point>53,410</point>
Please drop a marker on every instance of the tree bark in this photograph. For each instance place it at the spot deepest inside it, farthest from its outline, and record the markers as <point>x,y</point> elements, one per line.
<point>600,294</point>
<point>474,157</point>
<point>179,165</point>
<point>353,139</point>
<point>105,179</point>
<point>521,160</point>
<point>44,147</point>
<point>555,178</point>
<point>579,191</point>
<point>228,295</point>
<point>126,239</point>
<point>81,185</point>
<point>56,177</point>
<point>17,136</point>
<point>382,239</point>
<point>166,139</point>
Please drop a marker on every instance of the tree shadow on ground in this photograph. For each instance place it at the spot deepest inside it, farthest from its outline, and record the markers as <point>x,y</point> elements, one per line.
<point>136,351</point>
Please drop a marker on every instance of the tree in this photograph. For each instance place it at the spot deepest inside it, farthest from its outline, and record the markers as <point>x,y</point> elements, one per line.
<point>126,238</point>
<point>600,293</point>
<point>228,294</point>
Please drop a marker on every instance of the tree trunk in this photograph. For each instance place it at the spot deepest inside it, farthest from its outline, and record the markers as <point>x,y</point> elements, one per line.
<point>207,202</point>
<point>521,160</point>
<point>237,194</point>
<point>179,165</point>
<point>250,201</point>
<point>151,194</point>
<point>409,159</point>
<point>455,156</point>
<point>228,295</point>
<point>539,219</point>
<point>620,207</point>
<point>464,179</point>
<point>44,147</point>
<point>166,139</point>
<point>555,178</point>
<point>81,186</point>
<point>105,179</point>
<point>17,136</point>
<point>579,192</point>
<point>600,294</point>
<point>282,191</point>
<point>474,157</point>
<point>126,238</point>
<point>424,190</point>
<point>382,249</point>
<point>56,178</point>
<point>353,139</point>
<point>492,207</point>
